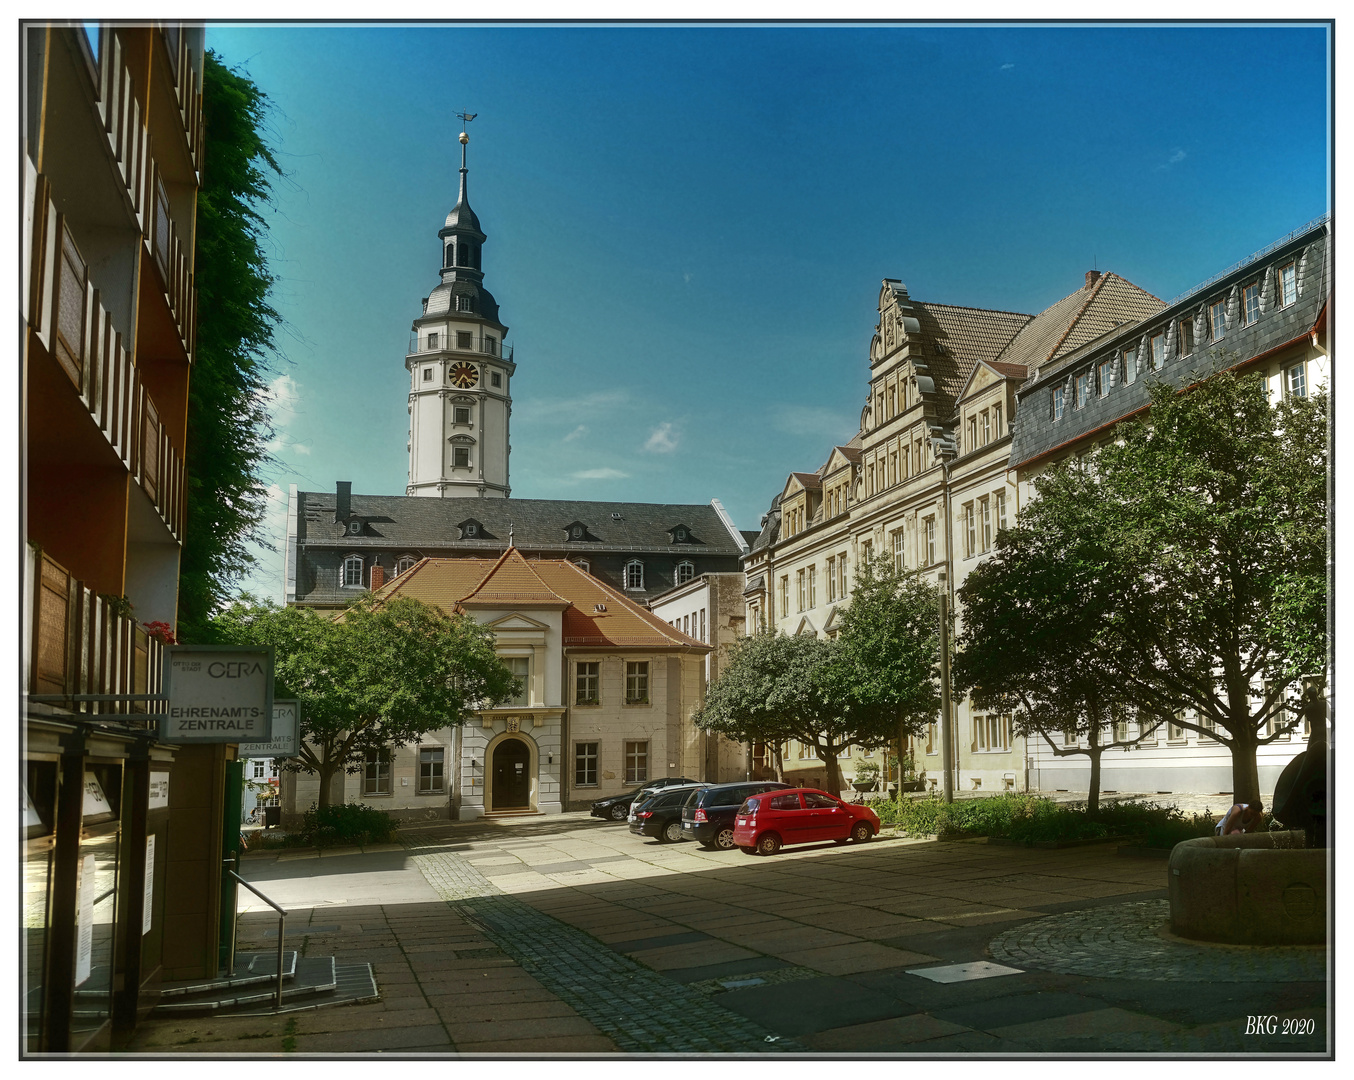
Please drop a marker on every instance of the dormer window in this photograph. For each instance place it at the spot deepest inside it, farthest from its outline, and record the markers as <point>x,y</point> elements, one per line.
<point>354,528</point>
<point>405,562</point>
<point>577,531</point>
<point>685,572</point>
<point>352,572</point>
<point>583,565</point>
<point>472,529</point>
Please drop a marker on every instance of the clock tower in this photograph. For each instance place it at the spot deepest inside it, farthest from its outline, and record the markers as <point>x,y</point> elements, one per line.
<point>459,372</point>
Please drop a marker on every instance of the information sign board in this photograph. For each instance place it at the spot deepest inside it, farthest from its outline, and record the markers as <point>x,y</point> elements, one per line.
<point>285,742</point>
<point>217,694</point>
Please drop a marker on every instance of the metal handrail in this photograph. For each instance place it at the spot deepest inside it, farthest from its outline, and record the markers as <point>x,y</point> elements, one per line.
<point>281,927</point>
<point>1254,257</point>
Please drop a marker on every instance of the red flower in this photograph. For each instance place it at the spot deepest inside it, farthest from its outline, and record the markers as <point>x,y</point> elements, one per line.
<point>161,632</point>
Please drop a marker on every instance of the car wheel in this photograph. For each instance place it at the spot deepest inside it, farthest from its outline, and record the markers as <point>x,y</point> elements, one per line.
<point>861,831</point>
<point>619,812</point>
<point>748,850</point>
<point>768,844</point>
<point>724,840</point>
<point>671,832</point>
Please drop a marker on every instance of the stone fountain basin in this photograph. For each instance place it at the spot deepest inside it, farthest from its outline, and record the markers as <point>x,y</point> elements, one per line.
<point>1254,889</point>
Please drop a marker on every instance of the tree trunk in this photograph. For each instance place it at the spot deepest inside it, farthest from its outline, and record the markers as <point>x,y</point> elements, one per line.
<point>834,772</point>
<point>1245,771</point>
<point>778,762</point>
<point>748,758</point>
<point>1093,792</point>
<point>326,772</point>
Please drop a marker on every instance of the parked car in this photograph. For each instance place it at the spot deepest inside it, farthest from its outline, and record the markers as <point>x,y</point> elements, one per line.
<point>708,813</point>
<point>765,823</point>
<point>661,815</point>
<point>617,807</point>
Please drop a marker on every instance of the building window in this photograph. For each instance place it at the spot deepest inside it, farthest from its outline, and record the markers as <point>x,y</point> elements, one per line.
<point>1158,344</point>
<point>465,302</point>
<point>258,768</point>
<point>897,536</point>
<point>520,668</point>
<point>432,341</point>
<point>585,764</point>
<point>1186,327</point>
<point>1296,378</point>
<point>1217,319</point>
<point>867,550</point>
<point>930,541</point>
<point>1059,400</point>
<point>973,433</point>
<point>1083,389</point>
<point>464,339</point>
<point>1130,364</point>
<point>970,530</point>
<point>583,565</point>
<point>637,682</point>
<point>702,633</point>
<point>987,523</point>
<point>1105,372</point>
<point>932,741</point>
<point>461,414</point>
<point>352,572</point>
<point>376,772</point>
<point>1250,301</point>
<point>406,562</point>
<point>1288,284</point>
<point>1175,732</point>
<point>427,374</point>
<point>841,576</point>
<point>992,733</point>
<point>686,625</point>
<point>431,769</point>
<point>985,423</point>
<point>813,587</point>
<point>460,457</point>
<point>491,345</point>
<point>996,421</point>
<point>587,684</point>
<point>495,379</point>
<point>636,762</point>
<point>785,595</point>
<point>685,572</point>
<point>800,594</point>
<point>634,574</point>
<point>1001,510</point>
<point>831,578</point>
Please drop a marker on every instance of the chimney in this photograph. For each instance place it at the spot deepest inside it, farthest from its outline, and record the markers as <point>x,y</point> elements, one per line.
<point>1092,276</point>
<point>343,509</point>
<point>378,576</point>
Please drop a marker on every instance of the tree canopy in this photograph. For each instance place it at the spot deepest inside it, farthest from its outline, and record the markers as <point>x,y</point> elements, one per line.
<point>375,678</point>
<point>1193,584</point>
<point>875,679</point>
<point>228,423</point>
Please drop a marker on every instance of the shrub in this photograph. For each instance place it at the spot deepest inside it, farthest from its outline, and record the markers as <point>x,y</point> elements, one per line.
<point>347,823</point>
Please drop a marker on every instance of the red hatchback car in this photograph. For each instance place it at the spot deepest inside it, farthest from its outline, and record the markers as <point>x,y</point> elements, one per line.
<point>799,816</point>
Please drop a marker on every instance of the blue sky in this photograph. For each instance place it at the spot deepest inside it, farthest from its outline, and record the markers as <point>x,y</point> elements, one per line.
<point>688,225</point>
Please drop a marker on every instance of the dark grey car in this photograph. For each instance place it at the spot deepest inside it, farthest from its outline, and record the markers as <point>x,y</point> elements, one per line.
<point>708,813</point>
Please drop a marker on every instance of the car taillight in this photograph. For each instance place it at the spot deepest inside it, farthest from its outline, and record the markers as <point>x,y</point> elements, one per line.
<point>644,813</point>
<point>700,816</point>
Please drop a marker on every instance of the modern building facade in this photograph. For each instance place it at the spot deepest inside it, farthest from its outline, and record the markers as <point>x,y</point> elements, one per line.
<point>122,835</point>
<point>608,690</point>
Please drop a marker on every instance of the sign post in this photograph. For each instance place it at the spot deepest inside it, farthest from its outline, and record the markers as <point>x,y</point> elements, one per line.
<point>217,694</point>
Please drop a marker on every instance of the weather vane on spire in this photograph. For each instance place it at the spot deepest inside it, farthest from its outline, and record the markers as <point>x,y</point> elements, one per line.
<point>465,118</point>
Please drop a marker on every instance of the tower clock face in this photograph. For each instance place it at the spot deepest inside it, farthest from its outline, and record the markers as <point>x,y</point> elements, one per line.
<point>464,375</point>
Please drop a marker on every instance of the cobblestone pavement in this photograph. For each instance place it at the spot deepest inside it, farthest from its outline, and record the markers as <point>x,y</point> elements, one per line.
<point>638,1008</point>
<point>1125,941</point>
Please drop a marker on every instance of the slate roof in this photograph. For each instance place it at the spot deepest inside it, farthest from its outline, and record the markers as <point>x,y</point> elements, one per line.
<point>513,581</point>
<point>398,521</point>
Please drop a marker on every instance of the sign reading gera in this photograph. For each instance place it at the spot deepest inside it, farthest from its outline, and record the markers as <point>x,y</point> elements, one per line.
<point>286,733</point>
<point>217,694</point>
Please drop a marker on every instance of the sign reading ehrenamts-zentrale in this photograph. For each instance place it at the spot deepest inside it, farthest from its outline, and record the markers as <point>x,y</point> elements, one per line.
<point>217,694</point>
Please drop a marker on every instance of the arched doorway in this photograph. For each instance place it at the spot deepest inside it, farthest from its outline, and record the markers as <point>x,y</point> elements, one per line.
<point>512,775</point>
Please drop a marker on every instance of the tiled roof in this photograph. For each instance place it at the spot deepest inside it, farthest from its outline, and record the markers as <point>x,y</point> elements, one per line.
<point>455,584</point>
<point>1011,371</point>
<point>808,479</point>
<point>537,524</point>
<point>965,336</point>
<point>1080,317</point>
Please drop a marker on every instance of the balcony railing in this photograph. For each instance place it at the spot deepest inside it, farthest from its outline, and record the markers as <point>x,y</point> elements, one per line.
<point>83,644</point>
<point>131,146</point>
<point>66,314</point>
<point>480,343</point>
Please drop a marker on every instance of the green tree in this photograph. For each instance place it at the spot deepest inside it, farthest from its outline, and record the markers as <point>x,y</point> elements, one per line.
<point>375,678</point>
<point>878,676</point>
<point>1035,638</point>
<point>228,424</point>
<point>1199,544</point>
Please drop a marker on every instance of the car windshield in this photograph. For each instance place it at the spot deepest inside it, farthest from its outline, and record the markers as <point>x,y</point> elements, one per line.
<point>749,807</point>
<point>693,799</point>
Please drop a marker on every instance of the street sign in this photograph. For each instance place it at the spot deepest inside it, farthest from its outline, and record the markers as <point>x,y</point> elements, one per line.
<point>217,694</point>
<point>286,733</point>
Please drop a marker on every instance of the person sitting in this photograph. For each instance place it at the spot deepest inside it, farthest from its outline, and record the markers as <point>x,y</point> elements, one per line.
<point>1241,818</point>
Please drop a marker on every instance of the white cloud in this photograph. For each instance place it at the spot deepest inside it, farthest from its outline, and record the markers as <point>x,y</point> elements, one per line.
<point>829,424</point>
<point>1006,67</point>
<point>550,410</point>
<point>1179,155</point>
<point>282,395</point>
<point>662,440</point>
<point>577,432</point>
<point>601,474</point>
<point>300,448</point>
